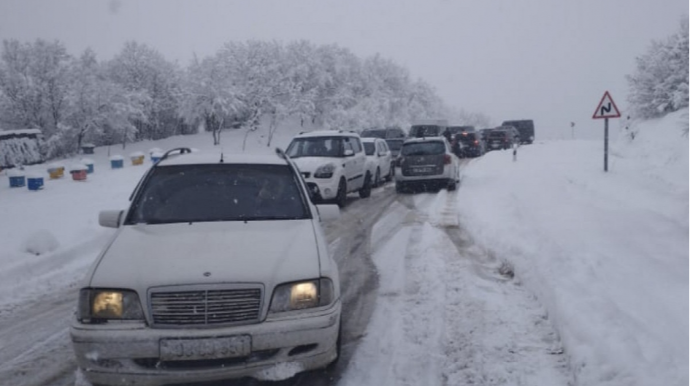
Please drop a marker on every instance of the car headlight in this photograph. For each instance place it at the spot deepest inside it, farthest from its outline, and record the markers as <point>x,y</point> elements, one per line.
<point>102,305</point>
<point>302,295</point>
<point>324,171</point>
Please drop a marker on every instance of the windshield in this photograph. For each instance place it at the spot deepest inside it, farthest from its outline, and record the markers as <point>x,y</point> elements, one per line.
<point>369,148</point>
<point>316,147</point>
<point>467,138</point>
<point>395,145</point>
<point>420,131</point>
<point>423,148</point>
<point>497,134</point>
<point>233,192</point>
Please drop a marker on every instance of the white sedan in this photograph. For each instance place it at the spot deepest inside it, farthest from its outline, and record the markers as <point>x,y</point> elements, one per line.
<point>379,159</point>
<point>219,269</point>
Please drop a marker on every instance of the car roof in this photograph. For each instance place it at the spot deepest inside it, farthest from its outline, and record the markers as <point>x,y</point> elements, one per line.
<point>372,139</point>
<point>214,158</point>
<point>327,133</point>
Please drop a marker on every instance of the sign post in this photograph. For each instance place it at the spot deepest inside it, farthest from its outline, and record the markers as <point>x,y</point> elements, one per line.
<point>606,109</point>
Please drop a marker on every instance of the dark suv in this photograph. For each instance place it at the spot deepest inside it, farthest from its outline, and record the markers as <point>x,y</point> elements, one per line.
<point>500,139</point>
<point>525,127</point>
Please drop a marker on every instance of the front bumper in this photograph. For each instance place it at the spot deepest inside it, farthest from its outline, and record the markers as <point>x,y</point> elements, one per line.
<point>129,354</point>
<point>323,189</point>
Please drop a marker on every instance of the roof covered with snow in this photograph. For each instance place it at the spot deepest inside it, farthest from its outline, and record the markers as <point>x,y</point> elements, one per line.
<point>328,133</point>
<point>214,158</point>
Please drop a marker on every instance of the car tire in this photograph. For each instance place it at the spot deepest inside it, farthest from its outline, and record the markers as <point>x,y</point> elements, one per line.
<point>377,179</point>
<point>366,188</point>
<point>391,174</point>
<point>341,195</point>
<point>452,185</point>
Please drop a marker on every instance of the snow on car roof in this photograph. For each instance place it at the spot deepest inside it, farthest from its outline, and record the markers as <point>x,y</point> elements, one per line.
<point>371,139</point>
<point>214,158</point>
<point>327,133</point>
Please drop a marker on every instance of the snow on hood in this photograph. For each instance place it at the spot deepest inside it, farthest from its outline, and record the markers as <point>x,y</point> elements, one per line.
<point>269,252</point>
<point>310,164</point>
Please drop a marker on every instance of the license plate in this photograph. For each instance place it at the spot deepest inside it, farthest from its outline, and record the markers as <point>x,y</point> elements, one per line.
<point>423,170</point>
<point>207,348</point>
<point>495,145</point>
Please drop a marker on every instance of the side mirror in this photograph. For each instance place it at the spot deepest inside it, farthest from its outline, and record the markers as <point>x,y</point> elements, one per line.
<point>349,153</point>
<point>110,218</point>
<point>328,212</point>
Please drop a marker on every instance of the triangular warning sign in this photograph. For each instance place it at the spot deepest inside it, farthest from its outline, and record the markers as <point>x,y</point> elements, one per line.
<point>607,108</point>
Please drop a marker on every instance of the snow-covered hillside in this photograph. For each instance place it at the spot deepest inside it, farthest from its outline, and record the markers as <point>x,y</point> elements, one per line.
<point>606,253</point>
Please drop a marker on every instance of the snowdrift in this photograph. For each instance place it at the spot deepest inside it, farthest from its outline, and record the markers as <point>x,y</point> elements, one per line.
<point>606,253</point>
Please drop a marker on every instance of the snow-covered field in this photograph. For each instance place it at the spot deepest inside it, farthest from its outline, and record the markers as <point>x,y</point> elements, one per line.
<point>600,260</point>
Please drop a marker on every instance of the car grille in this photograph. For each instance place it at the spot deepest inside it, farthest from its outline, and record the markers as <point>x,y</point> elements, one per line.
<point>206,307</point>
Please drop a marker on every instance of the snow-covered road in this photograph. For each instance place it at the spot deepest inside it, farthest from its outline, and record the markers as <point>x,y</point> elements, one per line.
<point>447,312</point>
<point>422,305</point>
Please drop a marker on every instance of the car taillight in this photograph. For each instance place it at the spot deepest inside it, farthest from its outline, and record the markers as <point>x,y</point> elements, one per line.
<point>446,159</point>
<point>476,142</point>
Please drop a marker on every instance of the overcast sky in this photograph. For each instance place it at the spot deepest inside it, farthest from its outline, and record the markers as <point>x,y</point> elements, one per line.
<point>548,60</point>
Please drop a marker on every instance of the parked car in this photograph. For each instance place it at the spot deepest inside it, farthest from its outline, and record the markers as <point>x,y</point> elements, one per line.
<point>472,144</point>
<point>525,127</point>
<point>379,160</point>
<point>513,131</point>
<point>219,269</point>
<point>430,128</point>
<point>427,162</point>
<point>394,145</point>
<point>332,163</point>
<point>484,134</point>
<point>500,139</point>
<point>388,132</point>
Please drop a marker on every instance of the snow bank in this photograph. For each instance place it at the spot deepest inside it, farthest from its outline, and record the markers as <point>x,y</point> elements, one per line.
<point>606,253</point>
<point>41,242</point>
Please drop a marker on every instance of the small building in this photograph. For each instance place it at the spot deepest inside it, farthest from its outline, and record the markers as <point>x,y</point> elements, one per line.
<point>21,147</point>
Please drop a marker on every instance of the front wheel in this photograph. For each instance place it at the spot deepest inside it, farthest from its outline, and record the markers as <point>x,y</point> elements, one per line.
<point>366,188</point>
<point>341,196</point>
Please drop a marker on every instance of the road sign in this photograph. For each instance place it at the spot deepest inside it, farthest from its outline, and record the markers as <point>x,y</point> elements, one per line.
<point>607,108</point>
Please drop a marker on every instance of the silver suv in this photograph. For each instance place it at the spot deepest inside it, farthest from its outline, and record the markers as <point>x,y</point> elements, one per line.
<point>219,269</point>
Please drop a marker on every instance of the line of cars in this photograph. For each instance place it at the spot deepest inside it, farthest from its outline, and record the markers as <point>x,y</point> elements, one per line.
<point>262,289</point>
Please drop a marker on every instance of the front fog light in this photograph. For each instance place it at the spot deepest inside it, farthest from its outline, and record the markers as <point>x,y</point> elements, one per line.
<point>327,191</point>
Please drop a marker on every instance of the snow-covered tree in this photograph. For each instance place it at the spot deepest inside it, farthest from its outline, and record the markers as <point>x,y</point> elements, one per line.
<point>660,82</point>
<point>33,84</point>
<point>143,70</point>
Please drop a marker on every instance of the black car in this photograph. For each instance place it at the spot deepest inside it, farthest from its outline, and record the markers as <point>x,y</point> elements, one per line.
<point>525,127</point>
<point>472,144</point>
<point>500,139</point>
<point>394,145</point>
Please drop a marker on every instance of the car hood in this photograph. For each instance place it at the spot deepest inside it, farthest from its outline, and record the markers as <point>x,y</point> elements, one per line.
<point>310,164</point>
<point>268,252</point>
